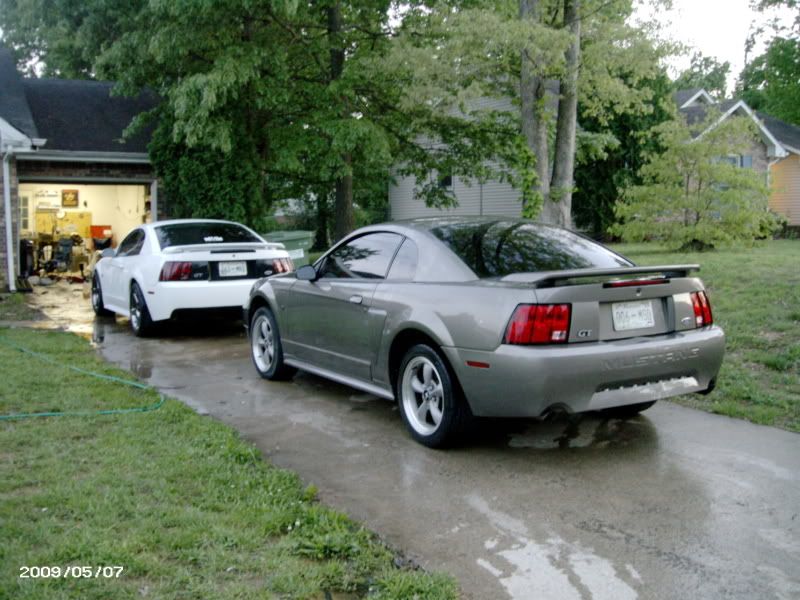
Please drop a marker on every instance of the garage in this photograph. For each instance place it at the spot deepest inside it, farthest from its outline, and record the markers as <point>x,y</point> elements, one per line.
<point>74,180</point>
<point>60,224</point>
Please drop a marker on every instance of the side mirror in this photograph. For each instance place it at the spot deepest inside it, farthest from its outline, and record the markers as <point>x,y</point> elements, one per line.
<point>108,253</point>
<point>306,273</point>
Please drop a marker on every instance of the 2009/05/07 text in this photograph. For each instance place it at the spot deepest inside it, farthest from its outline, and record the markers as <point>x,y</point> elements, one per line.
<point>70,571</point>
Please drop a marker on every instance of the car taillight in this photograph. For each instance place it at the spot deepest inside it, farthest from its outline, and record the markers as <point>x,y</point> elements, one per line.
<point>702,309</point>
<point>282,265</point>
<point>539,324</point>
<point>183,271</point>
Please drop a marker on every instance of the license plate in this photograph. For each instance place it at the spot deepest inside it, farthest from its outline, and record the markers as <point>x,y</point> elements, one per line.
<point>632,315</point>
<point>234,268</point>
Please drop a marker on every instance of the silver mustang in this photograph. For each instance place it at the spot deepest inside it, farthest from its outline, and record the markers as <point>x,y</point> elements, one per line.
<point>463,317</point>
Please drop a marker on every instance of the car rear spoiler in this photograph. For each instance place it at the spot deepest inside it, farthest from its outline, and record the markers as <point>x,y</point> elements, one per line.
<point>555,278</point>
<point>243,247</point>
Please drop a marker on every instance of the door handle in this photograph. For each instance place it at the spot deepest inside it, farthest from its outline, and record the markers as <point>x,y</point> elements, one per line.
<point>356,299</point>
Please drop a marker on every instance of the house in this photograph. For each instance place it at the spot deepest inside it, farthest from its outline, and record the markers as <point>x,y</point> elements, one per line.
<point>776,154</point>
<point>67,172</point>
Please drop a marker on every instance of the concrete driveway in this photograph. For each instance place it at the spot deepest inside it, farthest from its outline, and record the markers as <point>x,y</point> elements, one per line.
<point>673,504</point>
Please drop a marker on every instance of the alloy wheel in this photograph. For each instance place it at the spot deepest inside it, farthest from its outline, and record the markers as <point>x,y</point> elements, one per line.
<point>423,395</point>
<point>263,344</point>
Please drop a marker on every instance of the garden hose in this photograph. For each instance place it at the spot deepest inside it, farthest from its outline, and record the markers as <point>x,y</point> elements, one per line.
<point>89,413</point>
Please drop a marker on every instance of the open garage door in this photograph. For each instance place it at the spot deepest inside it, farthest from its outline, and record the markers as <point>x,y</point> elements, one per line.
<point>61,224</point>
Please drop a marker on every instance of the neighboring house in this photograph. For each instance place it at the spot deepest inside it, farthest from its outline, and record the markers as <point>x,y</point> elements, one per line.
<point>473,197</point>
<point>777,155</point>
<point>65,165</point>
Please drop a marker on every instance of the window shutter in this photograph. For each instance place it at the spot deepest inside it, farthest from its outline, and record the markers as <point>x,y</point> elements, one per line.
<point>747,161</point>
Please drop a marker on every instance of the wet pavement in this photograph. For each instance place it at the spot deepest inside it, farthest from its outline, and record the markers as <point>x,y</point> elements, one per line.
<point>673,504</point>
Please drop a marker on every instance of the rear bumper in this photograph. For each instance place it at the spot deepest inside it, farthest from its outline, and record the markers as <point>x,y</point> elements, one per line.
<point>525,381</point>
<point>169,296</point>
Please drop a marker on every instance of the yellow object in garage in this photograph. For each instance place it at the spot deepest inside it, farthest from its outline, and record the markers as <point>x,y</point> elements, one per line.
<point>62,223</point>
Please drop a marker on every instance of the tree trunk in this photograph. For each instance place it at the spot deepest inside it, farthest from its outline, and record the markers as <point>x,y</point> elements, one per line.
<point>344,218</point>
<point>533,108</point>
<point>558,208</point>
<point>321,239</point>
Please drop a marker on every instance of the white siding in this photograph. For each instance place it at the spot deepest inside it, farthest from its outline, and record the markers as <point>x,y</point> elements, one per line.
<point>490,198</point>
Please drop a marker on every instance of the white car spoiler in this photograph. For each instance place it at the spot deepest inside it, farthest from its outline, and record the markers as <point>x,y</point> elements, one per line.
<point>555,278</point>
<point>229,247</point>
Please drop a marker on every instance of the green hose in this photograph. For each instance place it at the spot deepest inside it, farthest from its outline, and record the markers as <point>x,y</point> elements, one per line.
<point>90,413</point>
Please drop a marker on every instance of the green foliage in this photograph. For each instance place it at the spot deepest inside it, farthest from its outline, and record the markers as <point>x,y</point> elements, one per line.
<point>705,72</point>
<point>63,38</point>
<point>691,196</point>
<point>610,160</point>
<point>205,182</point>
<point>771,81</point>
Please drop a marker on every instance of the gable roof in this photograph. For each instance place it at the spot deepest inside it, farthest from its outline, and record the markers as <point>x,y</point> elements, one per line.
<point>686,98</point>
<point>696,113</point>
<point>71,115</point>
<point>13,104</point>
<point>81,115</point>
<point>786,133</point>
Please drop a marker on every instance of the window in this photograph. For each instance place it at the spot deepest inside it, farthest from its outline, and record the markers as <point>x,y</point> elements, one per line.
<point>446,181</point>
<point>24,213</point>
<point>132,244</point>
<point>366,257</point>
<point>188,234</point>
<point>500,248</point>
<point>404,266</point>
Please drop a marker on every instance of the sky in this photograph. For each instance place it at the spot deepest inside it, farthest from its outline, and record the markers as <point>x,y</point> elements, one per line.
<point>716,28</point>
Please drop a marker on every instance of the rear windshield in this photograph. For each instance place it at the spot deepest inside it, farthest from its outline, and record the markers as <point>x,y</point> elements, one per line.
<point>186,234</point>
<point>500,248</point>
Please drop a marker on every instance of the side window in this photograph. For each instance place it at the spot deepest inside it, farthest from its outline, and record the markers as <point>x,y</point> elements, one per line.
<point>132,244</point>
<point>404,266</point>
<point>366,257</point>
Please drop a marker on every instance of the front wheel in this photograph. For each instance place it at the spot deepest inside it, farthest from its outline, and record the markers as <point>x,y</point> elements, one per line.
<point>431,403</point>
<point>141,323</point>
<point>265,347</point>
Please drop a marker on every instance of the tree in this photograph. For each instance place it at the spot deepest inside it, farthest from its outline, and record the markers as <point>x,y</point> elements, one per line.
<point>607,169</point>
<point>518,50</point>
<point>692,196</point>
<point>771,81</point>
<point>63,38</point>
<point>707,73</point>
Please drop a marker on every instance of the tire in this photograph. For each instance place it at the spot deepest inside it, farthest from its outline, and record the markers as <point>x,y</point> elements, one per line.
<point>97,299</point>
<point>141,323</point>
<point>266,349</point>
<point>433,407</point>
<point>627,412</point>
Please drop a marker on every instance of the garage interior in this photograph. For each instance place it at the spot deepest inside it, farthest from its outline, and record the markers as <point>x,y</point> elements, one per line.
<point>62,224</point>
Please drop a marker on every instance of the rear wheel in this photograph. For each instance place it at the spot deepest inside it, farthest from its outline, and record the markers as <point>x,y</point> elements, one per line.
<point>97,298</point>
<point>431,403</point>
<point>141,323</point>
<point>265,347</point>
<point>627,412</point>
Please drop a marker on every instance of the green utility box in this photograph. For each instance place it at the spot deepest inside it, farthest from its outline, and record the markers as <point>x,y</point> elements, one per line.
<point>297,244</point>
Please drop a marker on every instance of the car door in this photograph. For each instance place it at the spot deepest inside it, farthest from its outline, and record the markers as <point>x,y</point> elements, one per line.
<point>331,321</point>
<point>120,268</point>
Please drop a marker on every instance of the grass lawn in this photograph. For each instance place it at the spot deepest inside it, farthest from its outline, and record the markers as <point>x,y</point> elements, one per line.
<point>14,308</point>
<point>755,297</point>
<point>186,507</point>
